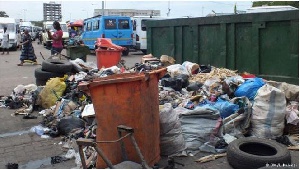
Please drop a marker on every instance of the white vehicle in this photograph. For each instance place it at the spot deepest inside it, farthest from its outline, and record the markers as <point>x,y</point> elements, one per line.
<point>11,25</point>
<point>28,26</point>
<point>140,32</point>
<point>260,9</point>
<point>49,26</point>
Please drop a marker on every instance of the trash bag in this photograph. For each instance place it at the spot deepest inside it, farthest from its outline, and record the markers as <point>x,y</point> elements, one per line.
<point>174,83</point>
<point>226,108</point>
<point>249,88</point>
<point>65,126</point>
<point>291,91</point>
<point>171,138</point>
<point>177,69</point>
<point>53,90</point>
<point>268,114</point>
<point>192,68</point>
<point>238,124</point>
<point>198,126</point>
<point>194,86</point>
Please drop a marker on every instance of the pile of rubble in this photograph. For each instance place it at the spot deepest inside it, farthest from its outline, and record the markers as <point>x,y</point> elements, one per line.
<point>202,108</point>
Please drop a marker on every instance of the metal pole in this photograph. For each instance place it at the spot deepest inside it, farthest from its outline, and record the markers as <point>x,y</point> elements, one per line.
<point>102,8</point>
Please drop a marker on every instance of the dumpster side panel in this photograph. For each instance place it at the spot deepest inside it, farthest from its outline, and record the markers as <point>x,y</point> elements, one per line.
<point>265,44</point>
<point>245,55</point>
<point>134,104</point>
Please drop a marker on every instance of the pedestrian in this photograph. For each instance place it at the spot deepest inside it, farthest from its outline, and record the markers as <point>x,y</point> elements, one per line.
<point>57,45</point>
<point>5,41</point>
<point>19,39</point>
<point>27,52</point>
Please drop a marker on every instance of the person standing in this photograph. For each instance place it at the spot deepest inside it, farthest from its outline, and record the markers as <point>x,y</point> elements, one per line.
<point>27,52</point>
<point>19,39</point>
<point>5,41</point>
<point>57,45</point>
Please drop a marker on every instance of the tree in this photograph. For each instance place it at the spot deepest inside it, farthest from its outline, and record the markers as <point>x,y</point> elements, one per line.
<point>3,14</point>
<point>276,3</point>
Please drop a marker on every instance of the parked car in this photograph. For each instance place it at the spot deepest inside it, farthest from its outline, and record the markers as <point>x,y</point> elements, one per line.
<point>117,28</point>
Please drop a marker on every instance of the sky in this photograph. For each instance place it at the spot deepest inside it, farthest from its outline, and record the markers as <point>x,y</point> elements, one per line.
<point>76,9</point>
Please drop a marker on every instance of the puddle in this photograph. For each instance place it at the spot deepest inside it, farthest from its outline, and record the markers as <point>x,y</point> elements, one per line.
<point>14,133</point>
<point>36,164</point>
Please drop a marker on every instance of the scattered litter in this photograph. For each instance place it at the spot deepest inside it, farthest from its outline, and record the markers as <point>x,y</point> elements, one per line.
<point>210,158</point>
<point>12,166</point>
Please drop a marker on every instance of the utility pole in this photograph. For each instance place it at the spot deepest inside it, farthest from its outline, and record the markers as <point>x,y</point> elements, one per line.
<point>24,14</point>
<point>102,8</point>
<point>202,10</point>
<point>169,9</point>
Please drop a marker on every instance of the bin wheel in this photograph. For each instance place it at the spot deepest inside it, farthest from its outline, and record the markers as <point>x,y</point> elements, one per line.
<point>125,52</point>
<point>41,74</point>
<point>251,152</point>
<point>57,66</point>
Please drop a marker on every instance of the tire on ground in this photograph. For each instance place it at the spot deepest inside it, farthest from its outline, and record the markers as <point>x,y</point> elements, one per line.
<point>40,82</point>
<point>251,152</point>
<point>57,66</point>
<point>41,74</point>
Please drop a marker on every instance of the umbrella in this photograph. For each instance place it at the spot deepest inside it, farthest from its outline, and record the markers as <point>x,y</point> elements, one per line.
<point>78,23</point>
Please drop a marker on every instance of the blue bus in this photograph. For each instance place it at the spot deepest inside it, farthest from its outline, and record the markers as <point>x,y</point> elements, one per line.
<point>117,28</point>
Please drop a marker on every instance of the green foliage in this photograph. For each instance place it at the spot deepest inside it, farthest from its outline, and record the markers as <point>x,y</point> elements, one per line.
<point>276,3</point>
<point>3,14</point>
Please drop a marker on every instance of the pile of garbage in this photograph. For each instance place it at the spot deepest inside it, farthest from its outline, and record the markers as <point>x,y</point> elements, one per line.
<point>216,106</point>
<point>202,108</point>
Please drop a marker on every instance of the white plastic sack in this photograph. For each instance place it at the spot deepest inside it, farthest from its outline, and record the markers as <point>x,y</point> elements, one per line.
<point>268,113</point>
<point>191,67</point>
<point>171,138</point>
<point>291,91</point>
<point>198,126</point>
<point>177,69</point>
<point>238,124</point>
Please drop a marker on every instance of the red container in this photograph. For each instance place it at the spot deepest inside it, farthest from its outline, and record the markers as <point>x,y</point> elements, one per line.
<point>129,99</point>
<point>107,58</point>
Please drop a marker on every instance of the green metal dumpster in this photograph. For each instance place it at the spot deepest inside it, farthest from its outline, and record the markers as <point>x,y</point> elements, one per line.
<point>74,52</point>
<point>265,44</point>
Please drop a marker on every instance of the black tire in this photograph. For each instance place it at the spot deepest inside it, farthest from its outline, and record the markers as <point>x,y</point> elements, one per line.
<point>144,51</point>
<point>57,66</point>
<point>251,152</point>
<point>41,74</point>
<point>40,82</point>
<point>125,52</point>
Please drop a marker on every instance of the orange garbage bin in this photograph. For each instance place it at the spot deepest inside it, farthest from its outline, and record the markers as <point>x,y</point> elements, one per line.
<point>108,58</point>
<point>129,99</point>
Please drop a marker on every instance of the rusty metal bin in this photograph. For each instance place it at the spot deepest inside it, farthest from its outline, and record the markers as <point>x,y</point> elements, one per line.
<point>129,99</point>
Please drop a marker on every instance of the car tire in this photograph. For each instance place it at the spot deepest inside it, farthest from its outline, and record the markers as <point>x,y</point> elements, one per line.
<point>40,82</point>
<point>57,66</point>
<point>144,51</point>
<point>125,52</point>
<point>251,152</point>
<point>41,74</point>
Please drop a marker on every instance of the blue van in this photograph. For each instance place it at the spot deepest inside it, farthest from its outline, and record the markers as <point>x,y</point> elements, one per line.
<point>117,28</point>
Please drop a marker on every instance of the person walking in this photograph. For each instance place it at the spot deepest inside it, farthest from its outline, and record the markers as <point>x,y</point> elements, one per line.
<point>5,41</point>
<point>27,52</point>
<point>57,45</point>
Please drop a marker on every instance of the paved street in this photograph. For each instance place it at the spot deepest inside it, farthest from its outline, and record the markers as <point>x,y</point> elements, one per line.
<point>18,145</point>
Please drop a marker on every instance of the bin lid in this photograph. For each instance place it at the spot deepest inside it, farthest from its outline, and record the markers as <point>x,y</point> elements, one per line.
<point>122,78</point>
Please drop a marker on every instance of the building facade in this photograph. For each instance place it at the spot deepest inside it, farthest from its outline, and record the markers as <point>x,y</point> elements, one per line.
<point>52,11</point>
<point>127,12</point>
